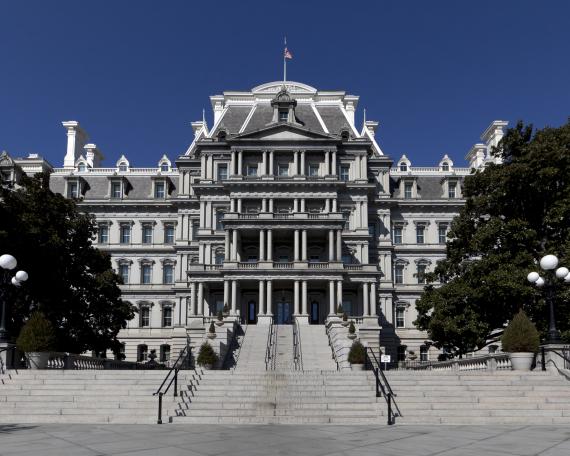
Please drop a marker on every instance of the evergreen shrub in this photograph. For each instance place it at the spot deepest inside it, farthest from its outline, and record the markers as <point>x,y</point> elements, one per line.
<point>37,335</point>
<point>521,335</point>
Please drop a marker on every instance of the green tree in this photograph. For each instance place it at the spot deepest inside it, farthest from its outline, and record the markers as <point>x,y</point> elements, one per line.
<point>70,281</point>
<point>515,213</point>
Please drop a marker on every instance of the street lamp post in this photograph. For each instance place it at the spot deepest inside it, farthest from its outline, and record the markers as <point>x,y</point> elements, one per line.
<point>7,263</point>
<point>548,263</point>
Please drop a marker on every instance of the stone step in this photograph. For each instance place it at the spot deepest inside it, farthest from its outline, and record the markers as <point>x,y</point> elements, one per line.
<point>484,420</point>
<point>260,412</point>
<point>346,420</point>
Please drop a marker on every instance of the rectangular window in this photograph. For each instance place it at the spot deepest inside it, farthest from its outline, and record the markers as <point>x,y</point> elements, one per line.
<point>168,274</point>
<point>372,230</point>
<point>252,259</point>
<point>73,189</point>
<point>399,273</point>
<point>420,234</point>
<point>344,173</point>
<point>423,354</point>
<point>222,172</point>
<point>147,234</point>
<point>103,234</point>
<point>452,190</point>
<point>146,274</point>
<point>283,169</point>
<point>219,259</point>
<point>397,235</point>
<point>164,353</point>
<point>169,234</point>
<point>313,170</point>
<point>142,353</point>
<point>401,353</point>
<point>283,259</point>
<point>219,220</point>
<point>283,115</point>
<point>421,273</point>
<point>314,259</point>
<point>125,237</point>
<point>159,189</point>
<point>116,190</point>
<point>195,227</point>
<point>252,170</point>
<point>442,233</point>
<point>145,317</point>
<point>166,316</point>
<point>408,189</point>
<point>400,317</point>
<point>124,273</point>
<point>347,307</point>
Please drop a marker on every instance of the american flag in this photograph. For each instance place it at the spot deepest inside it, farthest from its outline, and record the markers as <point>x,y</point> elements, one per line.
<point>287,54</point>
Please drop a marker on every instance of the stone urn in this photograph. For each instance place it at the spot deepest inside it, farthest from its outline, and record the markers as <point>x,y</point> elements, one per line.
<point>219,322</point>
<point>521,361</point>
<point>211,335</point>
<point>351,336</point>
<point>37,360</point>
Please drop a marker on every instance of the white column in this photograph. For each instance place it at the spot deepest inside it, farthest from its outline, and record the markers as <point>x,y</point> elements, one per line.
<point>365,300</point>
<point>296,246</point>
<point>295,164</point>
<point>232,205</point>
<point>261,245</point>
<point>264,205</point>
<point>327,163</point>
<point>303,206</point>
<point>334,207</point>
<point>373,299</point>
<point>193,298</point>
<point>296,205</point>
<point>271,205</point>
<point>234,245</point>
<point>240,163</point>
<point>271,168</point>
<point>200,298</point>
<point>331,245</point>
<point>333,164</point>
<point>226,292</point>
<point>331,297</point>
<point>304,245</point>
<point>364,167</point>
<point>303,162</point>
<point>234,297</point>
<point>296,297</point>
<point>210,167</point>
<point>262,297</point>
<point>327,205</point>
<point>239,205</point>
<point>202,214</point>
<point>263,164</point>
<point>227,246</point>
<point>269,307</point>
<point>338,293</point>
<point>338,245</point>
<point>203,167</point>
<point>269,245</point>
<point>304,302</point>
<point>233,163</point>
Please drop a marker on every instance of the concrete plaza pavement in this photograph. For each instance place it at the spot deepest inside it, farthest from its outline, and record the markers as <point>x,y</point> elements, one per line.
<point>281,440</point>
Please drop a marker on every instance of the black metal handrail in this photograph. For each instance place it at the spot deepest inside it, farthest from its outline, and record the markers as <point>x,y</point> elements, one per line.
<point>172,374</point>
<point>331,345</point>
<point>297,349</point>
<point>553,350</point>
<point>269,344</point>
<point>383,388</point>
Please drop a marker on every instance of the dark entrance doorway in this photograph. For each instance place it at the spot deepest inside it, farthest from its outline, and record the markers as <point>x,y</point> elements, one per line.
<point>314,313</point>
<point>251,313</point>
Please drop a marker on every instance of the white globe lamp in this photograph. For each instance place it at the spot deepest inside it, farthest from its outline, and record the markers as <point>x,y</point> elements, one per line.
<point>548,262</point>
<point>21,276</point>
<point>8,261</point>
<point>567,278</point>
<point>15,282</point>
<point>540,282</point>
<point>562,272</point>
<point>532,277</point>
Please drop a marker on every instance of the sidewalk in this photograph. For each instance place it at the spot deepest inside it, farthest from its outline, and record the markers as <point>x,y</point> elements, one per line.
<point>200,440</point>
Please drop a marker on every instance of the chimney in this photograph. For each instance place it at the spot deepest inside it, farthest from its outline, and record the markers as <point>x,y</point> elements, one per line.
<point>93,155</point>
<point>476,156</point>
<point>76,139</point>
<point>492,135</point>
<point>218,106</point>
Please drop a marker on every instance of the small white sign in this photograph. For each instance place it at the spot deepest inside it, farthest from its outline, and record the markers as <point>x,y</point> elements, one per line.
<point>384,358</point>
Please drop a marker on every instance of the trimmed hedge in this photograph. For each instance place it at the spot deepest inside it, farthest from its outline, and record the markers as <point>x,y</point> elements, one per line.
<point>357,353</point>
<point>521,335</point>
<point>37,335</point>
<point>206,355</point>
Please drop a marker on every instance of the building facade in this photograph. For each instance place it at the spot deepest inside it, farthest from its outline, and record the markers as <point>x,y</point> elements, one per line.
<point>281,210</point>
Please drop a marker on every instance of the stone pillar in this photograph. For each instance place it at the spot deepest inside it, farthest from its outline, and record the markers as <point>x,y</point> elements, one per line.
<point>365,300</point>
<point>373,299</point>
<point>327,164</point>
<point>234,297</point>
<point>296,205</point>
<point>333,165</point>
<point>203,166</point>
<point>200,298</point>
<point>304,301</point>
<point>262,297</point>
<point>264,205</point>
<point>234,245</point>
<point>233,163</point>
<point>303,206</point>
<point>334,205</point>
<point>302,162</point>
<point>295,164</point>
<point>263,164</point>
<point>269,245</point>
<point>239,205</point>
<point>232,205</point>
<point>304,248</point>
<point>296,297</point>
<point>240,163</point>
<point>327,205</point>
<point>271,205</point>
<point>261,245</point>
<point>227,246</point>
<point>269,307</point>
<point>331,298</point>
<point>202,214</point>
<point>338,293</point>
<point>271,167</point>
<point>331,245</point>
<point>296,246</point>
<point>339,245</point>
<point>226,292</point>
<point>193,298</point>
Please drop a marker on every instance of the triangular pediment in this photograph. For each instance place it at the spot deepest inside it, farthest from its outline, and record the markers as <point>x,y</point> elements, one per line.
<point>283,132</point>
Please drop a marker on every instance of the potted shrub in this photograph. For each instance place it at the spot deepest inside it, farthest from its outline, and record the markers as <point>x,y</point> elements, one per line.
<point>339,310</point>
<point>37,339</point>
<point>521,341</point>
<point>344,319</point>
<point>351,331</point>
<point>357,356</point>
<point>211,331</point>
<point>220,319</point>
<point>226,310</point>
<point>207,357</point>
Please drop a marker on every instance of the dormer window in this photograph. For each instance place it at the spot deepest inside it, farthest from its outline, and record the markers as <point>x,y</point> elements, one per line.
<point>116,190</point>
<point>403,167</point>
<point>73,190</point>
<point>445,166</point>
<point>123,167</point>
<point>82,167</point>
<point>452,190</point>
<point>164,167</point>
<point>159,189</point>
<point>283,115</point>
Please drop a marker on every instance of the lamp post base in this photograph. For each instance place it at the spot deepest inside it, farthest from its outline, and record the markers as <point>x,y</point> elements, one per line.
<point>553,337</point>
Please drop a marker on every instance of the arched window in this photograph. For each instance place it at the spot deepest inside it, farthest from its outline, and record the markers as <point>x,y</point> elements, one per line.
<point>164,167</point>
<point>142,353</point>
<point>82,168</point>
<point>123,167</point>
<point>403,167</point>
<point>445,166</point>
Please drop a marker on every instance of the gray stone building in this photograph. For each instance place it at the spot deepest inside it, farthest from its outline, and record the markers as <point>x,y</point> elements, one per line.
<point>281,210</point>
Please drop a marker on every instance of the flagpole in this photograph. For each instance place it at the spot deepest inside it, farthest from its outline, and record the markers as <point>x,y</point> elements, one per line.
<point>284,61</point>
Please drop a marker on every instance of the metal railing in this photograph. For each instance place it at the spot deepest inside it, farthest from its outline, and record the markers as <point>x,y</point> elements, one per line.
<point>183,361</point>
<point>331,345</point>
<point>268,349</point>
<point>564,355</point>
<point>383,388</point>
<point>297,348</point>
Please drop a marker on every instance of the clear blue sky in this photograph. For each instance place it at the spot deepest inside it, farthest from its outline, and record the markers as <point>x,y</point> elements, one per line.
<point>136,73</point>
